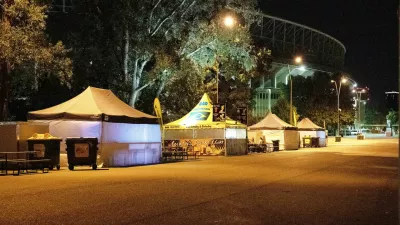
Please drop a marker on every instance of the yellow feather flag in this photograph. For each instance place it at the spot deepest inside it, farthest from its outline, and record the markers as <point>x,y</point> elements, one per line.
<point>157,109</point>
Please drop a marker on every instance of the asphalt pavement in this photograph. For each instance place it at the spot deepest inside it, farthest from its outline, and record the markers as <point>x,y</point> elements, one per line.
<point>351,182</point>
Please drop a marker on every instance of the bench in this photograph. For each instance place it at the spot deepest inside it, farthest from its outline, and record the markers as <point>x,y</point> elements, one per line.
<point>26,164</point>
<point>268,147</point>
<point>166,155</point>
<point>195,154</point>
<point>181,155</point>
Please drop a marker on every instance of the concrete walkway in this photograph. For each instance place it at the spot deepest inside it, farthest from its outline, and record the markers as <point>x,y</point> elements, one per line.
<point>351,182</point>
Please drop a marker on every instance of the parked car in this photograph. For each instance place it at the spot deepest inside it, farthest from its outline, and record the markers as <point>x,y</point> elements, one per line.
<point>354,132</point>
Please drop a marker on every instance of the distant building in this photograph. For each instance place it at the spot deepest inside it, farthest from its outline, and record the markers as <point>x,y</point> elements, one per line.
<point>392,100</point>
<point>286,40</point>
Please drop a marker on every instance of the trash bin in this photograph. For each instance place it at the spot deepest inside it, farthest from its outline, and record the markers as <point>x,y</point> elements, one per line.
<point>338,139</point>
<point>315,142</point>
<point>81,151</point>
<point>306,141</point>
<point>275,144</point>
<point>45,147</point>
<point>360,137</point>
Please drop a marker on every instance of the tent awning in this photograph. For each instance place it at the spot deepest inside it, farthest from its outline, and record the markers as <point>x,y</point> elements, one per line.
<point>200,117</point>
<point>272,122</point>
<point>94,104</point>
<point>307,125</point>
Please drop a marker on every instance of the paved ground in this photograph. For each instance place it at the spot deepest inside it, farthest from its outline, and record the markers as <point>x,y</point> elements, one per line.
<point>352,182</point>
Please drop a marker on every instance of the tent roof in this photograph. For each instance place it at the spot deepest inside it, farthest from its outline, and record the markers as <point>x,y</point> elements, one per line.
<point>307,124</point>
<point>94,104</point>
<point>201,117</point>
<point>271,121</point>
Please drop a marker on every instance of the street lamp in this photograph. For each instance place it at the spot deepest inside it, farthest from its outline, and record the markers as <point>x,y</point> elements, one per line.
<point>297,60</point>
<point>359,92</point>
<point>228,22</point>
<point>342,80</point>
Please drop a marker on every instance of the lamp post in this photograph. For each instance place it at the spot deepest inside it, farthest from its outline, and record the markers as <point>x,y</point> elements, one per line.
<point>297,60</point>
<point>229,22</point>
<point>359,92</point>
<point>342,80</point>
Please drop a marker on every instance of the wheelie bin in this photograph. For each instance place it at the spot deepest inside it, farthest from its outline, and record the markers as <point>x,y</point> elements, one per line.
<point>315,142</point>
<point>275,144</point>
<point>45,146</point>
<point>82,151</point>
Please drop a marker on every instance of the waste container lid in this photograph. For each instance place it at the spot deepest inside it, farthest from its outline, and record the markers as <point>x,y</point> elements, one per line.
<point>45,136</point>
<point>79,137</point>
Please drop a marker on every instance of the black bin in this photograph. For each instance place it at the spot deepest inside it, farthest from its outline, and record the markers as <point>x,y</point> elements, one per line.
<point>81,151</point>
<point>275,144</point>
<point>46,149</point>
<point>315,142</point>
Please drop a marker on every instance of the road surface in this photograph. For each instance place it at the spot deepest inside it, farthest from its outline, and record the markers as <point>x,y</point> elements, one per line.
<point>352,182</point>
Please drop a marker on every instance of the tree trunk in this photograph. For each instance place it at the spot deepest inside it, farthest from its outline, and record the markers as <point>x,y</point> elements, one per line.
<point>126,55</point>
<point>136,78</point>
<point>161,88</point>
<point>4,88</point>
<point>134,97</point>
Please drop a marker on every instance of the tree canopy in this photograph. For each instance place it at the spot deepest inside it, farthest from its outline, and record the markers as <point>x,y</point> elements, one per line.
<point>316,98</point>
<point>24,46</point>
<point>176,49</point>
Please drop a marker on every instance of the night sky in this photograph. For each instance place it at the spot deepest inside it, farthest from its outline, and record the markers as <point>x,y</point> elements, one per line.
<point>367,28</point>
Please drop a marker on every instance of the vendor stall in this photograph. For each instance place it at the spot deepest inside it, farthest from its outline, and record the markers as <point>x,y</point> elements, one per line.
<point>126,136</point>
<point>197,132</point>
<point>272,129</point>
<point>309,129</point>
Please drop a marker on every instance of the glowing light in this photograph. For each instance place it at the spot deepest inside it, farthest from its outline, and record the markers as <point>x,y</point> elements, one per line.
<point>344,80</point>
<point>298,60</point>
<point>229,21</point>
<point>302,68</point>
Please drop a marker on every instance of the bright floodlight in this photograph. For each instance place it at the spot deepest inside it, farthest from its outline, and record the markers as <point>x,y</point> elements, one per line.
<point>229,21</point>
<point>302,68</point>
<point>298,60</point>
<point>344,80</point>
<point>355,85</point>
<point>332,81</point>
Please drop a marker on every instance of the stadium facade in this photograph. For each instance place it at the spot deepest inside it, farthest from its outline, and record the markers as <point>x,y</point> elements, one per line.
<point>286,40</point>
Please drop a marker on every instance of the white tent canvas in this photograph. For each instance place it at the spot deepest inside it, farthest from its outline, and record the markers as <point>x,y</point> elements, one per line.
<point>126,136</point>
<point>310,129</point>
<point>273,128</point>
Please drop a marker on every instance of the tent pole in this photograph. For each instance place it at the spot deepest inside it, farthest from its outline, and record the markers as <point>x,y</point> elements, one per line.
<point>226,150</point>
<point>217,85</point>
<point>101,141</point>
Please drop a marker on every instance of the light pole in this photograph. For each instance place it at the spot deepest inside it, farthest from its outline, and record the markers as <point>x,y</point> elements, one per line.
<point>359,92</point>
<point>229,22</point>
<point>298,60</point>
<point>342,80</point>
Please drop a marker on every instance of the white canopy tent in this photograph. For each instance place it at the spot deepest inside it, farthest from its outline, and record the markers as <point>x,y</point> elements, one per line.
<point>126,136</point>
<point>273,128</point>
<point>308,128</point>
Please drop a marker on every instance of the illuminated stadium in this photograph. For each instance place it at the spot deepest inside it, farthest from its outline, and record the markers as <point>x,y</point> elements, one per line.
<point>286,39</point>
